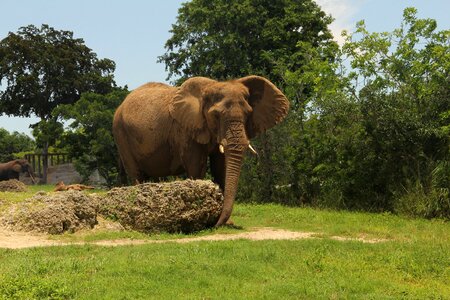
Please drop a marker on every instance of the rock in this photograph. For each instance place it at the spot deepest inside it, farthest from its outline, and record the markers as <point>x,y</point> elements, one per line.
<point>12,185</point>
<point>179,206</point>
<point>53,213</point>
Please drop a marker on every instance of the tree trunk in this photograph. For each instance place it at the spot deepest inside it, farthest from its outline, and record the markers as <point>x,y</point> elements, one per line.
<point>44,162</point>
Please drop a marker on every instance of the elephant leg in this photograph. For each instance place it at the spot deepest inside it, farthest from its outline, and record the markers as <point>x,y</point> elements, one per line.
<point>195,161</point>
<point>217,165</point>
<point>132,169</point>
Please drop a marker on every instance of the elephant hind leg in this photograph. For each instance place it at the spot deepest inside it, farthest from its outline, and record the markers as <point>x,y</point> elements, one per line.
<point>131,167</point>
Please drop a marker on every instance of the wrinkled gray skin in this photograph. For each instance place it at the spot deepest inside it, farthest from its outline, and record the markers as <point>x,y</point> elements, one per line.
<point>162,130</point>
<point>12,169</point>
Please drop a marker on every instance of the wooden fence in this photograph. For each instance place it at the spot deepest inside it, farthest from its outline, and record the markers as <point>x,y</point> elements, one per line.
<point>53,159</point>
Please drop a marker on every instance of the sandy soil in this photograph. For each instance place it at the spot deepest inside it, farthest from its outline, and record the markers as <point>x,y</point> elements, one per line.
<point>17,240</point>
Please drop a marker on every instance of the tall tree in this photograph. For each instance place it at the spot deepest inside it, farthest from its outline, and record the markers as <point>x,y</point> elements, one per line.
<point>225,39</point>
<point>43,68</point>
<point>88,138</point>
<point>404,102</point>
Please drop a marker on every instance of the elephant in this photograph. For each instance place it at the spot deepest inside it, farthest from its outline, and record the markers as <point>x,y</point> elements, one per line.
<point>161,130</point>
<point>13,168</point>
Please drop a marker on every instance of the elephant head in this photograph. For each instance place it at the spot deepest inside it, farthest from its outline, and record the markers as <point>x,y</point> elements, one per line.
<point>23,166</point>
<point>225,115</point>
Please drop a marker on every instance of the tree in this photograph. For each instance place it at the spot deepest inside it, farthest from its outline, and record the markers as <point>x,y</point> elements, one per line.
<point>378,140</point>
<point>11,143</point>
<point>43,68</point>
<point>225,39</point>
<point>88,137</point>
<point>404,101</point>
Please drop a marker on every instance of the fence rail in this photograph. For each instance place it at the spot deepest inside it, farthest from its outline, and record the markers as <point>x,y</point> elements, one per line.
<point>37,161</point>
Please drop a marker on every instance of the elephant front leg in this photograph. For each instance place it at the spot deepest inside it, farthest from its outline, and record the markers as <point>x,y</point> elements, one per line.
<point>217,165</point>
<point>195,161</point>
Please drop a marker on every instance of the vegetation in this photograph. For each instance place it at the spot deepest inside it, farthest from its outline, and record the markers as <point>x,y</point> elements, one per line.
<point>13,143</point>
<point>228,39</point>
<point>368,131</point>
<point>368,127</point>
<point>369,122</point>
<point>302,269</point>
<point>88,137</point>
<point>43,68</point>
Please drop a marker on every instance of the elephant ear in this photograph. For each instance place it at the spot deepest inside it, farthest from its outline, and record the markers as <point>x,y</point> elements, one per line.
<point>270,105</point>
<point>187,105</point>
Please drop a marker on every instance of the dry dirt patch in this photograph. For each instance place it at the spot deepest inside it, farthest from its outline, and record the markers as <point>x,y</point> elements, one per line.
<point>17,240</point>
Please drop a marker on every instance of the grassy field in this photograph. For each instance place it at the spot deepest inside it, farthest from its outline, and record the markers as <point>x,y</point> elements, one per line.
<point>414,262</point>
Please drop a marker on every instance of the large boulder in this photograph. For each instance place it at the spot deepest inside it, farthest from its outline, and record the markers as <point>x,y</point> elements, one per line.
<point>179,206</point>
<point>53,213</point>
<point>12,185</point>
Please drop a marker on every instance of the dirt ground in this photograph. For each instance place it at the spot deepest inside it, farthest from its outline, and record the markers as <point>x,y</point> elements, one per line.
<point>17,240</point>
<point>183,206</point>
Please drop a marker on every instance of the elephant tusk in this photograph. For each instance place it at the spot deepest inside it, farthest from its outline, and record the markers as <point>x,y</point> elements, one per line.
<point>221,149</point>
<point>252,149</point>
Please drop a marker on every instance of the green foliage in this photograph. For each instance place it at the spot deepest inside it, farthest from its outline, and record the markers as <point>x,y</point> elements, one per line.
<point>88,138</point>
<point>43,68</point>
<point>286,41</point>
<point>229,39</point>
<point>21,287</point>
<point>47,132</point>
<point>13,143</point>
<point>373,138</point>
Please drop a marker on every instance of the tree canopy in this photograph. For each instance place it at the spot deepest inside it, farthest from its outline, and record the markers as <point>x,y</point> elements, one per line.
<point>228,39</point>
<point>44,67</point>
<point>286,41</point>
<point>369,122</point>
<point>88,138</point>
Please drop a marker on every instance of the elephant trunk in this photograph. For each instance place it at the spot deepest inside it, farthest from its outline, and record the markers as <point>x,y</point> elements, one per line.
<point>236,145</point>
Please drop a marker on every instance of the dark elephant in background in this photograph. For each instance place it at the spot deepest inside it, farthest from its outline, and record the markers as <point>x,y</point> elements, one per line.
<point>162,130</point>
<point>12,169</point>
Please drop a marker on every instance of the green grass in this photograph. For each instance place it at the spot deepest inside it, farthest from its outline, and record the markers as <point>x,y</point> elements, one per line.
<point>413,264</point>
<point>309,269</point>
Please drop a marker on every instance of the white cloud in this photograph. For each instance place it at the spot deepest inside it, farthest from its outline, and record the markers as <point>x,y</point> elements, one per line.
<point>342,11</point>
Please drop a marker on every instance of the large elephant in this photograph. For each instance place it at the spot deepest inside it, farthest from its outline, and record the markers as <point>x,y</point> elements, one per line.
<point>162,130</point>
<point>12,169</point>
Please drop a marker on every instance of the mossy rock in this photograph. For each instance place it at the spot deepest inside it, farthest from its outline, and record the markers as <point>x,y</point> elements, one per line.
<point>179,206</point>
<point>12,185</point>
<point>53,213</point>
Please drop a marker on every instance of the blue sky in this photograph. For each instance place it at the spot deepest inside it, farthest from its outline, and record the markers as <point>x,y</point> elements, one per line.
<point>133,32</point>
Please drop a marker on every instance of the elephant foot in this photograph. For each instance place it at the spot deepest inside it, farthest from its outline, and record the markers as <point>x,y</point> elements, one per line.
<point>229,223</point>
